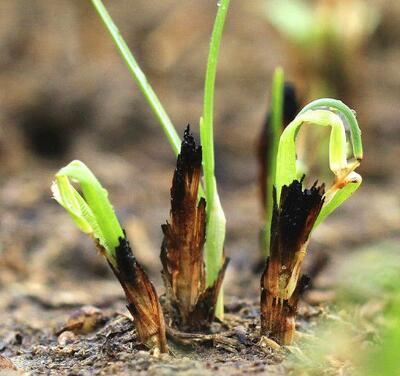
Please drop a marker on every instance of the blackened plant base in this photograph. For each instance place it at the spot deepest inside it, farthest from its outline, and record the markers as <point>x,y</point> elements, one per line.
<point>292,222</point>
<point>143,303</point>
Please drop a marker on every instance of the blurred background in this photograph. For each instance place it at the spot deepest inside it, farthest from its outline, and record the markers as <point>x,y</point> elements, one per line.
<point>66,94</point>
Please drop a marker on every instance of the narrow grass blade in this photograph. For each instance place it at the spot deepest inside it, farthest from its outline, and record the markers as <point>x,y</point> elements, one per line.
<point>276,130</point>
<point>216,222</point>
<point>139,77</point>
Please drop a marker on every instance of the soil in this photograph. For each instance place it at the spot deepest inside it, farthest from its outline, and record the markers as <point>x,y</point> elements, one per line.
<point>75,100</point>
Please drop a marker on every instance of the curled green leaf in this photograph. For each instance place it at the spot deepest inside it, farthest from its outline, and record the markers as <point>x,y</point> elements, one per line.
<point>349,115</point>
<point>92,213</point>
<point>67,196</point>
<point>286,169</point>
<point>324,112</point>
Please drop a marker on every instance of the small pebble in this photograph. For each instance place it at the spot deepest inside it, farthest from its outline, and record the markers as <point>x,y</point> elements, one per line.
<point>143,354</point>
<point>268,342</point>
<point>66,338</point>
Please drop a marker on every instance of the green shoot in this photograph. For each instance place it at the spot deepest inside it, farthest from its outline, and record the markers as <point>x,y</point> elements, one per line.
<point>276,130</point>
<point>216,221</point>
<point>324,112</point>
<point>139,77</point>
<point>92,213</point>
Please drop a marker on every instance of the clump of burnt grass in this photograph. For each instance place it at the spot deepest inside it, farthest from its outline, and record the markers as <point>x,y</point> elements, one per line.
<point>192,253</point>
<point>215,217</point>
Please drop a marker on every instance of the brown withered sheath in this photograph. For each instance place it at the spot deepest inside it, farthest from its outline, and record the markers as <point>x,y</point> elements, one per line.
<point>290,110</point>
<point>183,243</point>
<point>281,285</point>
<point>143,303</point>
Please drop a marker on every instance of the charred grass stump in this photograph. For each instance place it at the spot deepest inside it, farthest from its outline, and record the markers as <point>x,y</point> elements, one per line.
<point>192,304</point>
<point>292,222</point>
<point>193,263</point>
<point>141,296</point>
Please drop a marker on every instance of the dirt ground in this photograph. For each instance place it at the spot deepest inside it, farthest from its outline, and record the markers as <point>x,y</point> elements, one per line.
<point>67,95</point>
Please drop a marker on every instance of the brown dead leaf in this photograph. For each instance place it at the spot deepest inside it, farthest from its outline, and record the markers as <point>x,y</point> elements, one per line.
<point>6,364</point>
<point>84,320</point>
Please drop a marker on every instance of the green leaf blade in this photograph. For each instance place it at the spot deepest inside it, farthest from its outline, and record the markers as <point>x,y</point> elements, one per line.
<point>337,200</point>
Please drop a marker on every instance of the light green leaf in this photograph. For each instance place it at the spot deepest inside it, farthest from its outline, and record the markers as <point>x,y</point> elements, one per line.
<point>216,223</point>
<point>294,19</point>
<point>338,199</point>
<point>275,132</point>
<point>66,195</point>
<point>93,213</point>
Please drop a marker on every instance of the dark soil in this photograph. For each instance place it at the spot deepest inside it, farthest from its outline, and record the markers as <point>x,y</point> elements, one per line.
<point>112,348</point>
